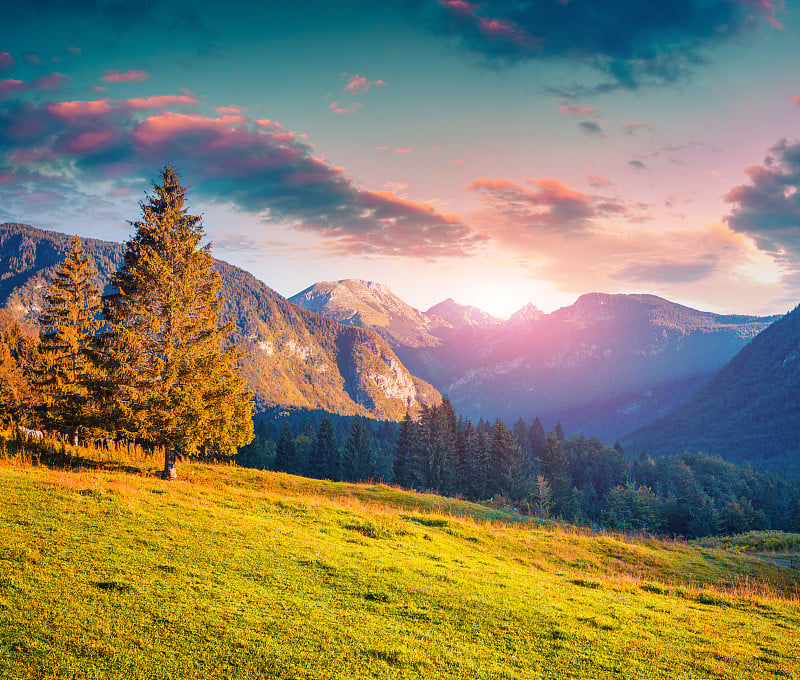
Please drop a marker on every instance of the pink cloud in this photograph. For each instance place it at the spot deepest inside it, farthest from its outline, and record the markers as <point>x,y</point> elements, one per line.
<point>495,30</point>
<point>402,150</point>
<point>113,76</point>
<point>358,84</point>
<point>74,51</point>
<point>574,109</point>
<point>157,102</point>
<point>767,8</point>
<point>550,203</point>
<point>340,108</point>
<point>32,58</point>
<point>234,158</point>
<point>6,61</point>
<point>599,181</point>
<point>12,87</point>
<point>459,5</point>
<point>80,109</point>
<point>494,26</point>
<point>228,109</point>
<point>403,228</point>
<point>579,242</point>
<point>269,124</point>
<point>392,206</point>
<point>87,143</point>
<point>795,99</point>
<point>99,88</point>
<point>283,137</point>
<point>163,127</point>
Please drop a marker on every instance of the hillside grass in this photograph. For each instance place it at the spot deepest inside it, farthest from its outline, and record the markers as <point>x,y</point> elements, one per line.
<point>109,572</point>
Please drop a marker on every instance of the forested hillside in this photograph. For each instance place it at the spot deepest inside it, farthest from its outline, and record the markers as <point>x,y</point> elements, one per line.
<point>576,479</point>
<point>749,412</point>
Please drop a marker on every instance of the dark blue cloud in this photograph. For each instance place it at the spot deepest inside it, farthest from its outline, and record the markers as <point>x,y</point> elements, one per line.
<point>591,127</point>
<point>768,208</point>
<point>635,43</point>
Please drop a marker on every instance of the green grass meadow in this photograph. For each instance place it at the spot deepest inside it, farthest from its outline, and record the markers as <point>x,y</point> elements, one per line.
<point>109,572</point>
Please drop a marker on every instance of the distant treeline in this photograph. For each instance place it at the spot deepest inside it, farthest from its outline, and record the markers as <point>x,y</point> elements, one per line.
<point>540,473</point>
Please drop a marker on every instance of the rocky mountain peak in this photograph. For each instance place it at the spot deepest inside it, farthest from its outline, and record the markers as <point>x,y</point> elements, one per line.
<point>530,313</point>
<point>460,316</point>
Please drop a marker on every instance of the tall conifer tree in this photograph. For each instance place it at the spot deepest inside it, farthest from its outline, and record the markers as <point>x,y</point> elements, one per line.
<point>285,452</point>
<point>404,450</point>
<point>357,461</point>
<point>170,379</point>
<point>554,469</point>
<point>324,459</point>
<point>68,323</point>
<point>14,388</point>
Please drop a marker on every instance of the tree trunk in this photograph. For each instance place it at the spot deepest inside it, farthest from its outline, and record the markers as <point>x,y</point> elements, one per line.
<point>170,473</point>
<point>75,441</point>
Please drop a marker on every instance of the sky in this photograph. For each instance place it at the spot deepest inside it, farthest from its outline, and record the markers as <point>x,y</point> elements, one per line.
<point>499,152</point>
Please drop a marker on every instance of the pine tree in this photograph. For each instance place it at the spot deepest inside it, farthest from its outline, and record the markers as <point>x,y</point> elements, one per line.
<point>541,495</point>
<point>465,436</point>
<point>479,489</point>
<point>446,450</point>
<point>14,388</point>
<point>421,472</point>
<point>505,455</point>
<point>404,451</point>
<point>285,453</point>
<point>324,460</point>
<point>68,324</point>
<point>554,469</point>
<point>357,457</point>
<point>169,378</point>
<point>536,438</point>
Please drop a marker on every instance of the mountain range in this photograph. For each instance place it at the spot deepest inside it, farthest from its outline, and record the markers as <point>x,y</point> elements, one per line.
<point>292,358</point>
<point>606,365</point>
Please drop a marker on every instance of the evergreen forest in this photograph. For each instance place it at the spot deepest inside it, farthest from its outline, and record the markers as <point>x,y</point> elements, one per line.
<point>577,479</point>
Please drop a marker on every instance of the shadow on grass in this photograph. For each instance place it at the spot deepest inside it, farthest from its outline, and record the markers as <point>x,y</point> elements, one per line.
<point>54,454</point>
<point>66,460</point>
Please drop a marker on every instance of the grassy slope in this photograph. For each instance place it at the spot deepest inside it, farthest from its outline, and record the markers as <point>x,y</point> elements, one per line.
<point>112,573</point>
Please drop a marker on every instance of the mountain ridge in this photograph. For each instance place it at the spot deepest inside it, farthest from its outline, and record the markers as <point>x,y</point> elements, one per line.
<point>605,365</point>
<point>749,411</point>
